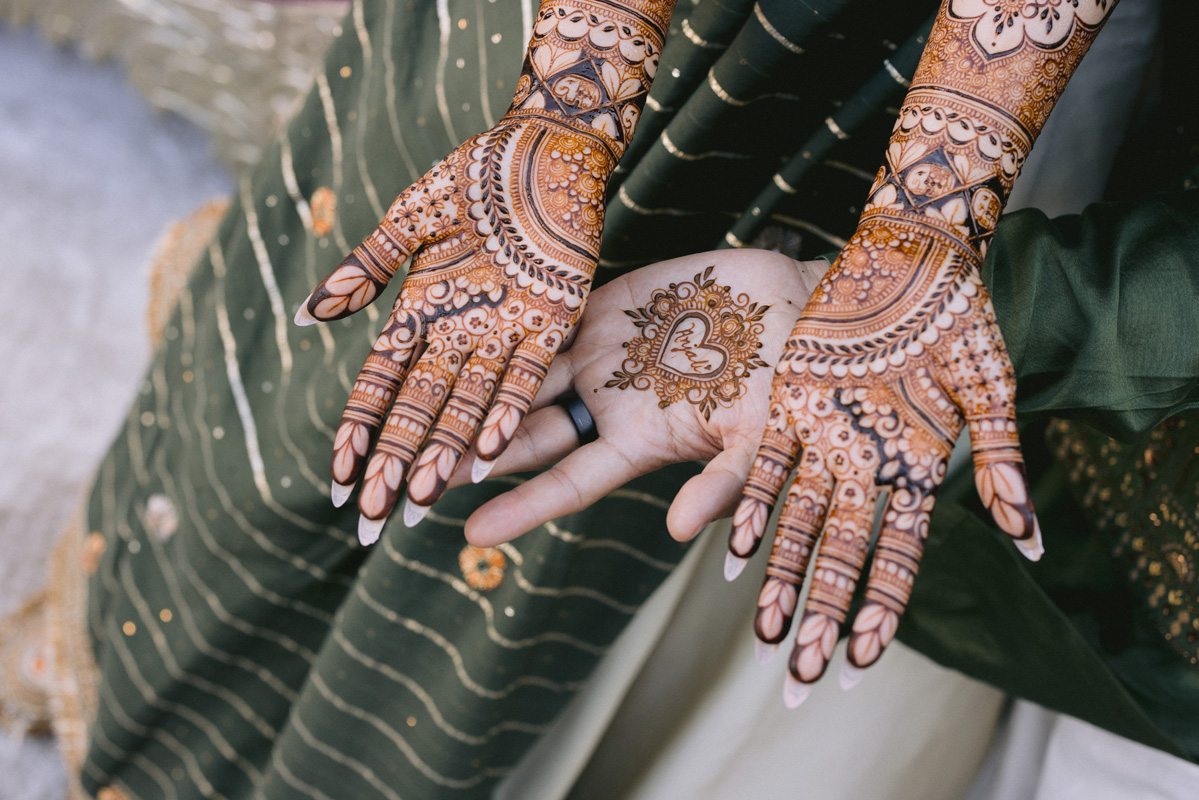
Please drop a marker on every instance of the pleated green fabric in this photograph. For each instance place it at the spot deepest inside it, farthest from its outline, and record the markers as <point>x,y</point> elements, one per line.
<point>296,664</point>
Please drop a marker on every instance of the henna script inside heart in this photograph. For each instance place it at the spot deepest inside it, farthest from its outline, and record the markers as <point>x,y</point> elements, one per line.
<point>686,350</point>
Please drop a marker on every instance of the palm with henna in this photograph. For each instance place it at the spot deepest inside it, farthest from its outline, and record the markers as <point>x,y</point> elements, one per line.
<point>504,237</point>
<point>898,348</point>
<point>669,360</point>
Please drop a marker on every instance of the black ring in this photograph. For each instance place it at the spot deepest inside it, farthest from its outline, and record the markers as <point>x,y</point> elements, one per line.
<point>580,417</point>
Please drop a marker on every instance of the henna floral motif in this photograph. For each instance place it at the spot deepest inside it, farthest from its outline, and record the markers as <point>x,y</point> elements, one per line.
<point>898,348</point>
<point>698,343</point>
<point>504,238</point>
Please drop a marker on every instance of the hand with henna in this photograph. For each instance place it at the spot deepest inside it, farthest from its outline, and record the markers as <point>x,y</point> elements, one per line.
<point>898,349</point>
<point>503,236</point>
<point>669,363</point>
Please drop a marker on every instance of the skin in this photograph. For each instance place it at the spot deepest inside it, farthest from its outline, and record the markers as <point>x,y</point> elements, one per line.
<point>503,236</point>
<point>637,434</point>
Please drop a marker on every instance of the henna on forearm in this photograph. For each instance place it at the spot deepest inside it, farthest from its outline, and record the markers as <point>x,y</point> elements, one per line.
<point>898,348</point>
<point>696,342</point>
<point>504,235</point>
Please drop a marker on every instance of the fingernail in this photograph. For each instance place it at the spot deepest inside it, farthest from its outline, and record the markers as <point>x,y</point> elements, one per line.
<point>794,692</point>
<point>764,651</point>
<point>851,676</point>
<point>1032,547</point>
<point>303,318</point>
<point>369,529</point>
<point>340,494</point>
<point>413,513</point>
<point>480,470</point>
<point>733,566</point>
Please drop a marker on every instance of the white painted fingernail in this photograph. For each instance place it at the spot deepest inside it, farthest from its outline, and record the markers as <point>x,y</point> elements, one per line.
<point>303,318</point>
<point>340,494</point>
<point>733,566</point>
<point>851,676</point>
<point>764,651</point>
<point>794,692</point>
<point>480,470</point>
<point>369,529</point>
<point>413,513</point>
<point>1032,547</point>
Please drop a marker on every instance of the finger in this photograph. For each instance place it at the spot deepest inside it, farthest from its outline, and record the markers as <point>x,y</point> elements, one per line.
<point>374,390</point>
<point>416,408</point>
<point>361,276</point>
<point>544,438</point>
<point>1001,481</point>
<point>450,438</point>
<point>776,457</point>
<point>527,369</point>
<point>582,478</point>
<point>835,576</point>
<point>892,573</point>
<point>710,495</point>
<point>798,531</point>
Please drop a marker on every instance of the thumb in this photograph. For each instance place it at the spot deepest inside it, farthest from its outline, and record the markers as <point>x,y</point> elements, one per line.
<point>710,495</point>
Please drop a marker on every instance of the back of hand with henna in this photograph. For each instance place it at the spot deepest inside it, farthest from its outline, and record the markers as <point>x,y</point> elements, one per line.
<point>504,237</point>
<point>898,347</point>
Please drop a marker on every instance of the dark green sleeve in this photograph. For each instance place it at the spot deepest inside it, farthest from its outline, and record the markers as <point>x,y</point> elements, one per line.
<point>1100,310</point>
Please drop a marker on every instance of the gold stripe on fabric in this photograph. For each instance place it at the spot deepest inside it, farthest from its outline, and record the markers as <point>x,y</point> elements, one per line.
<point>673,149</point>
<point>233,373</point>
<point>832,125</point>
<point>608,544</point>
<point>484,95</point>
<point>850,168</point>
<point>389,77</point>
<point>630,204</point>
<point>284,772</point>
<point>566,591</point>
<point>117,639</point>
<point>896,74</point>
<point>133,440</point>
<point>456,657</point>
<point>484,605</point>
<point>719,91</point>
<point>655,105</point>
<point>733,240</point>
<point>782,184</point>
<point>335,141</point>
<point>810,228</point>
<point>267,272</point>
<point>644,497</point>
<point>396,739</point>
<point>353,764</point>
<point>368,60</point>
<point>426,699</point>
<point>152,770</point>
<point>774,32</point>
<point>159,379</point>
<point>443,57</point>
<point>696,39</point>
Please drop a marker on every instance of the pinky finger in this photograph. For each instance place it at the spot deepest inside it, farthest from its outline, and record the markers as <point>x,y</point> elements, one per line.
<point>527,368</point>
<point>1002,484</point>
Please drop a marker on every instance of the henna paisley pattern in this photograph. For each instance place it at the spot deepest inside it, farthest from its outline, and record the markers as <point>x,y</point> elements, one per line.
<point>898,348</point>
<point>697,343</point>
<point>503,236</point>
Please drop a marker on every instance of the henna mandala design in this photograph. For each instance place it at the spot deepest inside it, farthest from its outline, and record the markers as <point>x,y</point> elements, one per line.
<point>504,237</point>
<point>898,348</point>
<point>698,343</point>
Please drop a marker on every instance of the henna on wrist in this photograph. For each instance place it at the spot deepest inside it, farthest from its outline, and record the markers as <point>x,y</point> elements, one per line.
<point>898,348</point>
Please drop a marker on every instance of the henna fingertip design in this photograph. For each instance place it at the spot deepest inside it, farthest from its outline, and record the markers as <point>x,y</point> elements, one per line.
<point>303,318</point>
<point>480,470</point>
<point>794,692</point>
<point>1033,547</point>
<point>733,566</point>
<point>764,651</point>
<point>369,530</point>
<point>851,676</point>
<point>340,493</point>
<point>414,513</point>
